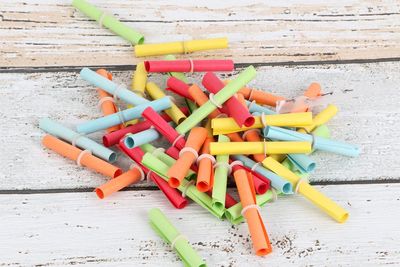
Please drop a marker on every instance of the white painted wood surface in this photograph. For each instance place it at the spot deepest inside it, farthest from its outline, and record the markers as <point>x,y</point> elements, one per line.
<point>78,229</point>
<point>48,33</point>
<point>367,96</point>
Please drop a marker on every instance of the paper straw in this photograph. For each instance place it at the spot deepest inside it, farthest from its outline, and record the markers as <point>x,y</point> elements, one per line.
<point>220,177</point>
<point>182,77</point>
<point>321,118</point>
<point>260,96</point>
<point>319,143</point>
<point>243,78</point>
<point>117,90</point>
<point>187,157</point>
<point>238,112</point>
<point>174,197</point>
<point>253,135</point>
<point>233,214</point>
<point>138,85</point>
<point>109,22</point>
<point>164,228</point>
<point>161,168</point>
<point>106,102</point>
<point>267,147</point>
<point>140,138</point>
<point>261,184</point>
<point>200,98</point>
<point>81,141</point>
<point>254,107</point>
<point>174,112</point>
<point>228,125</point>
<point>205,174</point>
<point>259,236</point>
<point>114,185</point>
<point>85,159</point>
<point>277,182</point>
<point>309,192</point>
<point>164,128</point>
<point>165,158</point>
<point>113,138</point>
<point>196,65</point>
<point>180,47</point>
<point>119,117</point>
<point>179,87</point>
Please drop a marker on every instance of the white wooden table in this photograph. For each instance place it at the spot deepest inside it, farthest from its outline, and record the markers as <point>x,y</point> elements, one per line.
<point>49,215</point>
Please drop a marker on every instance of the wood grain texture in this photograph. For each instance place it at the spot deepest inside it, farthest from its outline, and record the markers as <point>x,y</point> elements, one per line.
<point>78,229</point>
<point>367,96</point>
<point>53,33</point>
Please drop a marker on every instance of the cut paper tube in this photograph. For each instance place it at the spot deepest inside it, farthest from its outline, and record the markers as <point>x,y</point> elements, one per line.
<point>218,99</point>
<point>106,102</point>
<point>261,97</point>
<point>234,215</point>
<point>301,162</point>
<point>229,200</point>
<point>114,185</point>
<point>261,183</point>
<point>140,138</point>
<point>195,65</point>
<point>109,22</point>
<point>159,153</point>
<point>254,107</point>
<point>113,138</point>
<point>138,85</point>
<point>179,87</point>
<point>174,112</point>
<point>236,110</point>
<point>250,211</point>
<point>173,152</point>
<point>122,116</point>
<point>321,118</point>
<point>253,135</point>
<point>179,75</point>
<point>200,98</point>
<point>309,192</point>
<point>277,182</point>
<point>266,147</point>
<point>77,139</point>
<point>205,162</point>
<point>164,128</point>
<point>164,228</point>
<point>183,47</point>
<point>161,168</point>
<point>117,90</point>
<point>228,125</point>
<point>173,195</point>
<point>318,143</point>
<point>82,157</point>
<point>187,156</point>
<point>221,172</point>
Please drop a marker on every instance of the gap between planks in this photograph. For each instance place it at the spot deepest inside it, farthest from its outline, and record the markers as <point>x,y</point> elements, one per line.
<point>155,188</point>
<point>44,69</point>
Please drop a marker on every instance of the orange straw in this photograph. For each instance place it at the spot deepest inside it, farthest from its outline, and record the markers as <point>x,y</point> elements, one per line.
<point>253,135</point>
<point>187,156</point>
<point>312,92</point>
<point>127,178</point>
<point>107,105</point>
<point>200,98</point>
<point>83,157</point>
<point>247,194</point>
<point>205,174</point>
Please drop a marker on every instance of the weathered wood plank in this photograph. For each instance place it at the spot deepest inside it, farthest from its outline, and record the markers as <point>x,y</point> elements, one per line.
<point>367,96</point>
<point>49,33</point>
<point>77,229</point>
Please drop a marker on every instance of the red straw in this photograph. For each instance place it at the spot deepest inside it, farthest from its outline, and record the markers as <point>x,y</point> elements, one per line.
<point>236,110</point>
<point>164,128</point>
<point>173,195</point>
<point>178,87</point>
<point>113,138</point>
<point>188,65</point>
